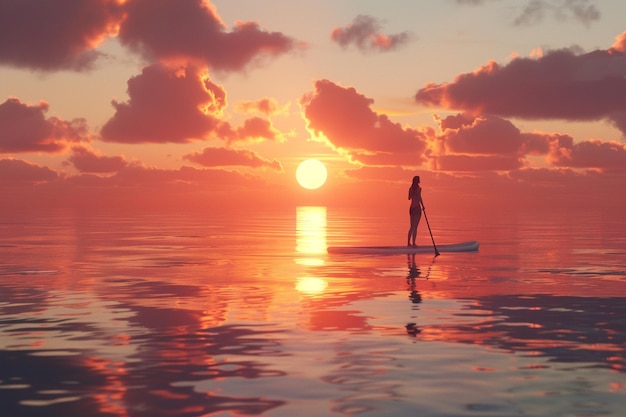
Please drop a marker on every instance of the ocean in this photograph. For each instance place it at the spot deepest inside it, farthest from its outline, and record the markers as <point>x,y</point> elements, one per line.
<point>244,313</point>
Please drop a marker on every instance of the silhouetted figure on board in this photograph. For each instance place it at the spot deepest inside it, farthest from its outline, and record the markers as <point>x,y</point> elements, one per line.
<point>415,210</point>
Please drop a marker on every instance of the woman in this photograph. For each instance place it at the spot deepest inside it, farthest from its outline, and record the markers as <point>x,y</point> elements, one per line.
<point>415,210</point>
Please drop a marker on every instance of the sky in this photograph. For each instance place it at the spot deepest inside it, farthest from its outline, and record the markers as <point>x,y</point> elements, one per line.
<point>187,103</point>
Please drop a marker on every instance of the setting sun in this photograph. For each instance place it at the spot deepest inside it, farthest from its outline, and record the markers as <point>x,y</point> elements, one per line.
<point>311,174</point>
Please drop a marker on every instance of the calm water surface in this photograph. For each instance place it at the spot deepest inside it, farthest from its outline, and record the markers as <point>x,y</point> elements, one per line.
<point>219,315</point>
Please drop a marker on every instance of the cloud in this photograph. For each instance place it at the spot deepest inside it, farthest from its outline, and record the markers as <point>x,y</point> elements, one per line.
<point>490,143</point>
<point>606,156</point>
<point>87,160</point>
<point>580,10</point>
<point>55,35</point>
<point>166,105</point>
<point>558,85</point>
<point>253,129</point>
<point>620,43</point>
<point>364,33</point>
<point>483,143</point>
<point>24,128</point>
<point>192,30</point>
<point>534,11</point>
<point>220,157</point>
<point>267,106</point>
<point>64,34</point>
<point>178,106</point>
<point>19,171</point>
<point>485,135</point>
<point>345,119</point>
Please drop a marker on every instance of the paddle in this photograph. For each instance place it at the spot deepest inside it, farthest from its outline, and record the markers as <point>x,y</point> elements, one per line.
<point>429,231</point>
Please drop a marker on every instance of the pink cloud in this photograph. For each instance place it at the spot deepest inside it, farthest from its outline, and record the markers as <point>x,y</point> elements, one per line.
<point>166,105</point>
<point>177,106</point>
<point>364,33</point>
<point>55,35</point>
<point>192,30</point>
<point>487,143</point>
<point>485,135</point>
<point>19,171</point>
<point>253,129</point>
<point>492,143</point>
<point>24,128</point>
<point>559,85</point>
<point>620,43</point>
<point>267,106</point>
<point>606,156</point>
<point>87,160</point>
<point>220,157</point>
<point>345,118</point>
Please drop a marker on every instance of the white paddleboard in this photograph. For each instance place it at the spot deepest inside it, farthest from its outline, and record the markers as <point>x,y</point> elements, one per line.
<point>382,250</point>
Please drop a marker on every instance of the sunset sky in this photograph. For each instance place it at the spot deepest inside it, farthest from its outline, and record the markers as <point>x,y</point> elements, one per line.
<point>182,102</point>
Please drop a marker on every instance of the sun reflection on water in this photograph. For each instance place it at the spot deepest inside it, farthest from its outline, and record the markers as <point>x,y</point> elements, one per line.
<point>311,234</point>
<point>310,246</point>
<point>311,285</point>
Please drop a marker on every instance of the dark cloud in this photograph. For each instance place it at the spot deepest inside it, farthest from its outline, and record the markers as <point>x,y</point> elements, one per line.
<point>24,128</point>
<point>559,85</point>
<point>536,10</point>
<point>192,30</point>
<point>55,35</point>
<point>166,105</point>
<point>65,34</point>
<point>364,33</point>
<point>178,106</point>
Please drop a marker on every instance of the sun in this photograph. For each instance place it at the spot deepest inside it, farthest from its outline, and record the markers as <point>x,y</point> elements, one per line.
<point>311,174</point>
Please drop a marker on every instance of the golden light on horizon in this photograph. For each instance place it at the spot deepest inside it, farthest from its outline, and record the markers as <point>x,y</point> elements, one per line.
<point>311,174</point>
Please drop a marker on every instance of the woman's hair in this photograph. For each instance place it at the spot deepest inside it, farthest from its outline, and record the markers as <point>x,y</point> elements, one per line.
<point>416,180</point>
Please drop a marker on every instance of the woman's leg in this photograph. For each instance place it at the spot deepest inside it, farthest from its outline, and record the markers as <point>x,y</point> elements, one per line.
<point>415,221</point>
<point>412,230</point>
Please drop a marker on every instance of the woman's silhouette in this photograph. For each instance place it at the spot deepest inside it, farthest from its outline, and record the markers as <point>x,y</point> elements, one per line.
<point>415,210</point>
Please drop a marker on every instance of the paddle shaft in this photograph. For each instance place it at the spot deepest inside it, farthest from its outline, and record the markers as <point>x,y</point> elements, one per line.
<point>430,231</point>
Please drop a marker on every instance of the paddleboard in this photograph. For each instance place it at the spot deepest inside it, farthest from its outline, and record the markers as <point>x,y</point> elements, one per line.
<point>385,250</point>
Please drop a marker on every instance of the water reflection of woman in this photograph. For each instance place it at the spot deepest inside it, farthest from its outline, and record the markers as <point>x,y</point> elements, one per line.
<point>415,210</point>
<point>414,271</point>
